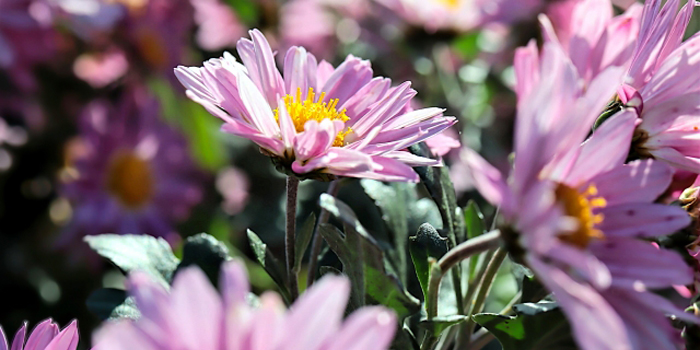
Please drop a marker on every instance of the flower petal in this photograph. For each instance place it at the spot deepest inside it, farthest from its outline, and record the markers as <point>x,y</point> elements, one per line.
<point>67,339</point>
<point>642,220</point>
<point>640,181</point>
<point>369,328</point>
<point>42,335</point>
<point>198,308</point>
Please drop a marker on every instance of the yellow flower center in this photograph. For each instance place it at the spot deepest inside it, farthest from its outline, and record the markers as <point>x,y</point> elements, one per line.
<point>580,205</point>
<point>301,111</point>
<point>452,4</point>
<point>129,178</point>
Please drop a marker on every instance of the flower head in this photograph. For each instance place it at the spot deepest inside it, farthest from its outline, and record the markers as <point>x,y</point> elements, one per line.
<point>133,173</point>
<point>316,121</point>
<point>577,215</point>
<point>45,335</point>
<point>194,316</point>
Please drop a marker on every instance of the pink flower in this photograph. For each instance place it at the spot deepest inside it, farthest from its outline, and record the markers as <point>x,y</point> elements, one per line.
<point>193,316</point>
<point>461,15</point>
<point>661,83</point>
<point>45,336</point>
<point>577,215</point>
<point>219,27</point>
<point>317,121</point>
<point>233,185</point>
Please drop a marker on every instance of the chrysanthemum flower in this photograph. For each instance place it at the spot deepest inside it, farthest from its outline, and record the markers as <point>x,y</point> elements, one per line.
<point>461,15</point>
<point>45,336</point>
<point>577,215</point>
<point>133,173</point>
<point>661,83</point>
<point>317,121</point>
<point>194,316</point>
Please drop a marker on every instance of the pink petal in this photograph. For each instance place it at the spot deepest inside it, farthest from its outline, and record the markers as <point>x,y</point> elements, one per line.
<point>487,179</point>
<point>198,308</point>
<point>234,282</point>
<point>42,335</point>
<point>641,181</point>
<point>594,322</point>
<point>317,314</point>
<point>526,69</point>
<point>583,264</point>
<point>258,109</point>
<point>642,220</point>
<point>122,335</point>
<point>383,111</point>
<point>67,339</point>
<point>606,149</point>
<point>360,103</point>
<point>338,161</point>
<point>20,336</point>
<point>369,328</point>
<point>3,340</point>
<point>316,138</point>
<point>272,144</point>
<point>287,128</point>
<point>299,71</point>
<point>346,79</point>
<point>633,261</point>
<point>271,83</point>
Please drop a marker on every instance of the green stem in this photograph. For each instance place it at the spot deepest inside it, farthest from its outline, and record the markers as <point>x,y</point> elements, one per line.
<point>484,288</point>
<point>292,189</point>
<point>451,259</point>
<point>317,244</point>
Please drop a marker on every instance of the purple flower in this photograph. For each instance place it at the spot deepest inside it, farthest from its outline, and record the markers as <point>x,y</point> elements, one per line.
<point>134,174</point>
<point>219,27</point>
<point>26,38</point>
<point>316,120</point>
<point>194,316</point>
<point>578,217</point>
<point>45,336</point>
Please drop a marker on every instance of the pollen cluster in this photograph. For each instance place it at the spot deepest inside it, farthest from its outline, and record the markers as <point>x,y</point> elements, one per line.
<point>580,205</point>
<point>303,110</point>
<point>130,180</point>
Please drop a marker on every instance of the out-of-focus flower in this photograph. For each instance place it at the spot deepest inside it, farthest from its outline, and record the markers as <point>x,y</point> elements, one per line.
<point>310,24</point>
<point>661,83</point>
<point>461,15</point>
<point>134,174</point>
<point>233,186</point>
<point>443,143</point>
<point>26,38</point>
<point>578,216</point>
<point>219,27</point>
<point>101,69</point>
<point>317,121</point>
<point>44,336</point>
<point>194,316</point>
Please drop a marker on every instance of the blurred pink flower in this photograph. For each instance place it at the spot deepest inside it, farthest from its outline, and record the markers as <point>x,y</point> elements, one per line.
<point>317,121</point>
<point>308,23</point>
<point>44,336</point>
<point>461,15</point>
<point>219,27</point>
<point>578,216</point>
<point>134,174</point>
<point>193,316</point>
<point>233,185</point>
<point>101,69</point>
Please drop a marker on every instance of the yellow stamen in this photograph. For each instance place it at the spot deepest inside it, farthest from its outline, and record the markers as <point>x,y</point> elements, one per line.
<point>301,111</point>
<point>452,4</point>
<point>130,180</point>
<point>580,206</point>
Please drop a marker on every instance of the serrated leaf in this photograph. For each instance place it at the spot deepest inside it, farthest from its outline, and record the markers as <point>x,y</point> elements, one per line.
<point>271,265</point>
<point>539,326</point>
<point>137,252</point>
<point>206,252</point>
<point>437,325</point>
<point>302,240</point>
<point>363,262</point>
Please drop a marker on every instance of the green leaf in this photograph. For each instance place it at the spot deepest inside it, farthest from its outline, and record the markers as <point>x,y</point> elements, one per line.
<point>427,243</point>
<point>467,45</point>
<point>246,10</point>
<point>137,253</point>
<point>103,302</point>
<point>537,326</point>
<point>206,252</point>
<point>302,240</point>
<point>474,220</point>
<point>438,324</point>
<point>271,265</point>
<point>363,262</point>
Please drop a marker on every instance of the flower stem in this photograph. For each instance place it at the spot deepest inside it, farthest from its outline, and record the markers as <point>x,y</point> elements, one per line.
<point>317,244</point>
<point>484,288</point>
<point>292,187</point>
<point>453,257</point>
